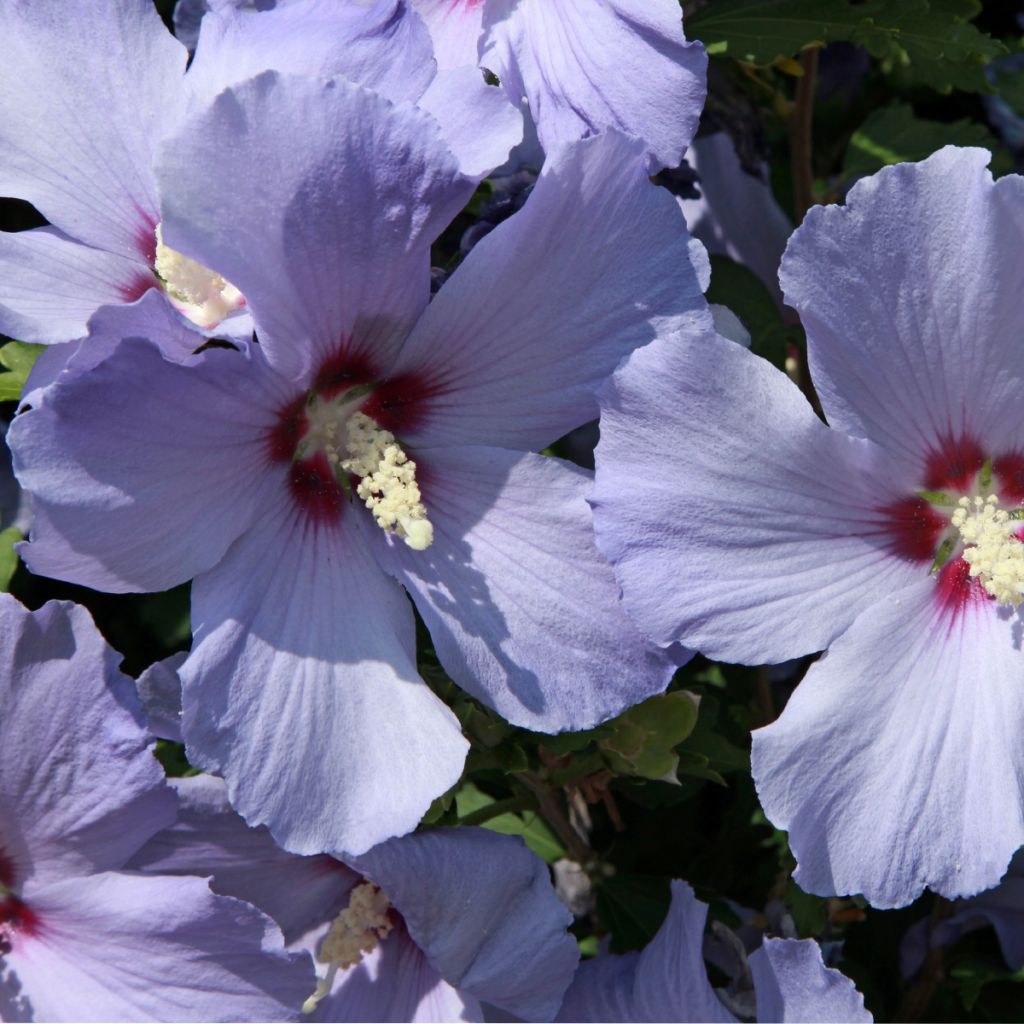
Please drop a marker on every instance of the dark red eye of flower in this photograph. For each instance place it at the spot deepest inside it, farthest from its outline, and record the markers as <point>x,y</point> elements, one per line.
<point>953,465</point>
<point>316,490</point>
<point>913,529</point>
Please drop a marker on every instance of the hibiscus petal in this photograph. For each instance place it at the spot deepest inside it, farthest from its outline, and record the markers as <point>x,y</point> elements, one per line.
<point>455,28</point>
<point>129,947</point>
<point>919,273</point>
<point>737,522</point>
<point>516,342</point>
<point>794,985</point>
<point>78,129</point>
<point>481,907</point>
<point>478,122</point>
<point>666,982</point>
<point>160,692</point>
<point>322,212</point>
<point>302,689</point>
<point>382,45</point>
<point>79,789</point>
<point>50,284</point>
<point>586,66</point>
<point>896,772</point>
<point>523,611</point>
<point>737,214</point>
<point>210,839</point>
<point>395,983</point>
<point>155,489</point>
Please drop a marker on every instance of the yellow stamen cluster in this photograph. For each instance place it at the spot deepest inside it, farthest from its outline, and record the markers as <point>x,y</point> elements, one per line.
<point>357,930</point>
<point>992,549</point>
<point>199,293</point>
<point>388,481</point>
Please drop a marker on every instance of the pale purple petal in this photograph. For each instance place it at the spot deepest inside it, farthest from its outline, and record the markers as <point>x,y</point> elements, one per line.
<point>794,985</point>
<point>322,211</point>
<point>157,488</point>
<point>585,66</point>
<point>479,123</point>
<point>129,947</point>
<point>899,772</point>
<point>514,345</point>
<point>489,921</point>
<point>302,689</point>
<point>211,840</point>
<point>160,692</point>
<point>523,611</point>
<point>737,215</point>
<point>50,284</point>
<point>737,522</point>
<point>910,294</point>
<point>79,788</point>
<point>666,982</point>
<point>455,28</point>
<point>395,983</point>
<point>382,45</point>
<point>86,91</point>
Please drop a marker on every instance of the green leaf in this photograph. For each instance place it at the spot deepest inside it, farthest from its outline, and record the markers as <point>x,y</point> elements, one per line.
<point>932,39</point>
<point>538,837</point>
<point>741,290</point>
<point>1010,87</point>
<point>18,357</point>
<point>632,908</point>
<point>807,911</point>
<point>641,740</point>
<point>8,556</point>
<point>894,134</point>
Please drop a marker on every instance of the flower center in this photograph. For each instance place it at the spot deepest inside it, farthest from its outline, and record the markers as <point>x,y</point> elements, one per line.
<point>339,441</point>
<point>991,547</point>
<point>356,931</point>
<point>197,292</point>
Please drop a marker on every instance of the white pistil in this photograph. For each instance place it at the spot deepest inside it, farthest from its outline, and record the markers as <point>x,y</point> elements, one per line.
<point>388,480</point>
<point>992,550</point>
<point>356,931</point>
<point>199,293</point>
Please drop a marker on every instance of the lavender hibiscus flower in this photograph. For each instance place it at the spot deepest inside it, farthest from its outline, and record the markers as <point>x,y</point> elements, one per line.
<point>80,793</point>
<point>421,928</point>
<point>583,65</point>
<point>85,107</point>
<point>367,440</point>
<point>891,539</point>
<point>668,981</point>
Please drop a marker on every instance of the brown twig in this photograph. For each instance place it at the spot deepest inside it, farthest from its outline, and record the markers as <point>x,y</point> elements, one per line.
<point>922,988</point>
<point>551,811</point>
<point>800,125</point>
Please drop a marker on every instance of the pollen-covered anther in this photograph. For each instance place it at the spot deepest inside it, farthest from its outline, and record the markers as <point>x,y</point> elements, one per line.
<point>388,481</point>
<point>356,931</point>
<point>197,292</point>
<point>992,550</point>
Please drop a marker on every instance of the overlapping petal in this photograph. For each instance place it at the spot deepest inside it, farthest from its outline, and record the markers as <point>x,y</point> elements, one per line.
<point>919,273</point>
<point>130,947</point>
<point>325,203</point>
<point>793,984</point>
<point>585,66</point>
<point>50,285</point>
<point>522,610</point>
<point>210,839</point>
<point>382,45</point>
<point>516,342</point>
<point>455,27</point>
<point>302,690</point>
<point>157,488</point>
<point>899,772</point>
<point>761,519</point>
<point>79,789</point>
<point>84,159</point>
<point>488,922</point>
<point>667,981</point>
